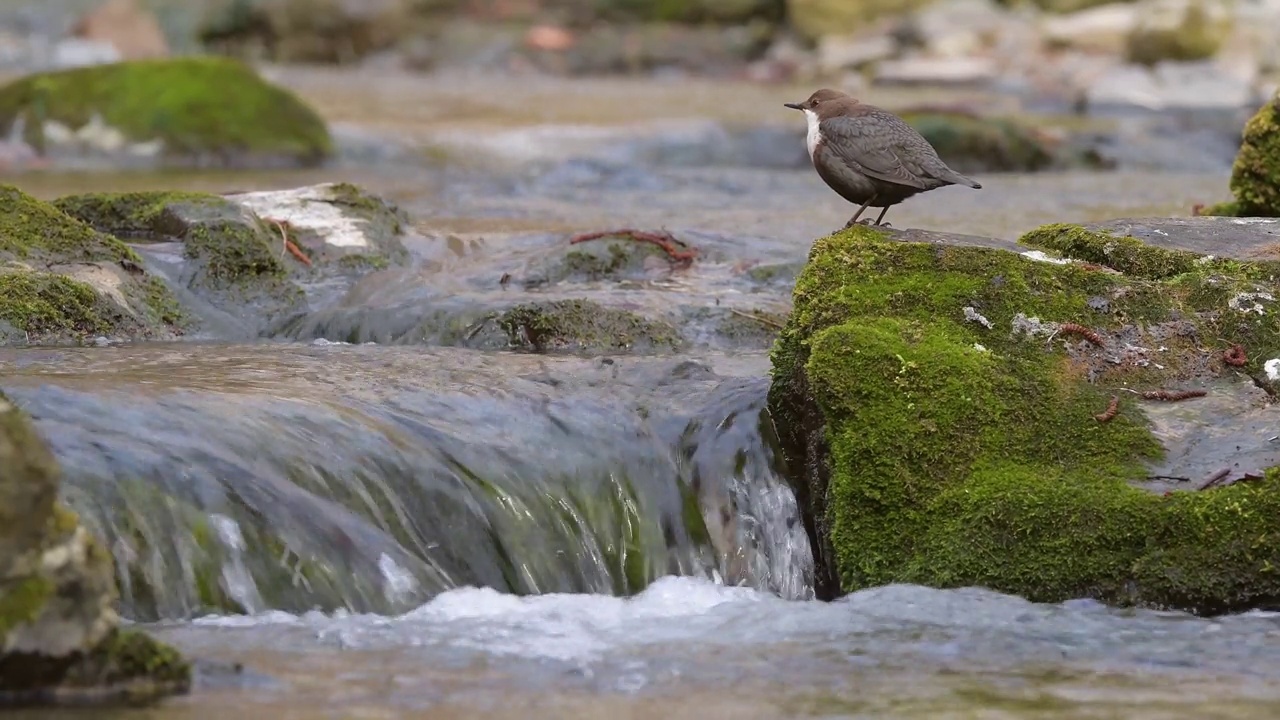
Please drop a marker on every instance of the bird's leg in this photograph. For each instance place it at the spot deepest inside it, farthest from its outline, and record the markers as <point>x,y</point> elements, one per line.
<point>854,220</point>
<point>880,220</point>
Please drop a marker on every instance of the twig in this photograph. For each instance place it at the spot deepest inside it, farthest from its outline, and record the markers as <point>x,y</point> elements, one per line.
<point>1168,477</point>
<point>663,240</point>
<point>762,320</point>
<point>1215,478</point>
<point>288,245</point>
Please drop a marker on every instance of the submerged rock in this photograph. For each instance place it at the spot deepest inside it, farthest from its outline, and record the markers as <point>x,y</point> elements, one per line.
<point>189,111</point>
<point>946,424</point>
<point>59,634</point>
<point>63,281</point>
<point>249,255</point>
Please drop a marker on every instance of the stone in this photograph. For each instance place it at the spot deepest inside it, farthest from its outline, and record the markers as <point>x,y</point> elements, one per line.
<point>126,25</point>
<point>1105,28</point>
<point>936,71</point>
<point>316,31</point>
<point>1024,454</point>
<point>836,52</point>
<point>77,52</point>
<point>1185,32</point>
<point>174,103</point>
<point>60,640</point>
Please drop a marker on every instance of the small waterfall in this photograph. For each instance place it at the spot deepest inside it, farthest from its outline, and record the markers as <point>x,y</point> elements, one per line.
<point>248,478</point>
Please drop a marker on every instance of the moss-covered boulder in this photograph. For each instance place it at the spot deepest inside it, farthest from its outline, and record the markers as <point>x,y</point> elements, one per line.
<point>945,423</point>
<point>59,634</point>
<point>63,281</point>
<point>583,326</point>
<point>1192,34</point>
<point>187,111</point>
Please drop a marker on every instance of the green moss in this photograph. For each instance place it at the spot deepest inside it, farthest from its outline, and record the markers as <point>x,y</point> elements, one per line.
<point>1223,209</point>
<point>1255,175</point>
<point>147,215</point>
<point>950,464</point>
<point>361,261</point>
<point>21,602</point>
<point>45,304</point>
<point>199,107</point>
<point>162,302</point>
<point>34,230</point>
<point>1129,255</point>
<point>582,325</point>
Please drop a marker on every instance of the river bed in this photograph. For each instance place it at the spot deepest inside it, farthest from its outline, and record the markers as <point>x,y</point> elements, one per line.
<point>349,458</point>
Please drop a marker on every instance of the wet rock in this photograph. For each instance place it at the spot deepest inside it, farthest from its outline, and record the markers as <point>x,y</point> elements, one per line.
<point>62,281</point>
<point>1242,239</point>
<point>1168,86</point>
<point>976,144</point>
<point>659,46</point>
<point>1255,175</point>
<point>945,426</point>
<point>582,326</point>
<point>604,259</point>
<point>190,111</point>
<point>230,258</point>
<point>59,635</point>
<point>250,254</point>
<point>128,27</point>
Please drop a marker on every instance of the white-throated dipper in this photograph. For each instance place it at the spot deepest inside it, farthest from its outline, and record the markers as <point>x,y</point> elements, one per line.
<point>868,155</point>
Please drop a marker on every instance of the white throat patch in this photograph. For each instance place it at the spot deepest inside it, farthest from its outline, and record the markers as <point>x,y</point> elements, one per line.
<point>814,136</point>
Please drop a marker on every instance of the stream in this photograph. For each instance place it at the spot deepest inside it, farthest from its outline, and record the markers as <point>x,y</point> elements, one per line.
<point>394,524</point>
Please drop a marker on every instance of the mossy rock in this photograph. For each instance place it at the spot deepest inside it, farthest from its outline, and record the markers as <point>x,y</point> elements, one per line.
<point>236,260</point>
<point>614,259</point>
<point>338,226</point>
<point>1255,175</point>
<point>972,144</point>
<point>63,281</point>
<point>948,447</point>
<point>58,636</point>
<point>583,326</point>
<point>204,110</point>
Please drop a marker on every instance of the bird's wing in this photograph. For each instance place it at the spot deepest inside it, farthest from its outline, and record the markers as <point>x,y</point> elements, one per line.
<point>874,145</point>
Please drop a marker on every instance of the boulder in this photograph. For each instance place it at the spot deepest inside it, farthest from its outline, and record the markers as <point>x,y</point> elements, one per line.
<point>60,639</point>
<point>62,281</point>
<point>189,111</point>
<point>815,18</point>
<point>1078,414</point>
<point>970,143</point>
<point>305,31</point>
<point>131,29</point>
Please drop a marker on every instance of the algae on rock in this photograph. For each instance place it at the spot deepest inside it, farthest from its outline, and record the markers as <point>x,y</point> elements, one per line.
<point>61,280</point>
<point>59,639</point>
<point>937,434</point>
<point>202,110</point>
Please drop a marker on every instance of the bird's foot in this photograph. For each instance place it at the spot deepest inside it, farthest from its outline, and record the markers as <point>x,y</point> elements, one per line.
<point>865,221</point>
<point>884,225</point>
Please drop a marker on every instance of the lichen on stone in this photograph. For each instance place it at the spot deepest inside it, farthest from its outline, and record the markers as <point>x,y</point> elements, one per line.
<point>201,108</point>
<point>920,457</point>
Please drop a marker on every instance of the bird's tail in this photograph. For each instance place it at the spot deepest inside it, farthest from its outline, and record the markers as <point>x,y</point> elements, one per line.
<point>955,178</point>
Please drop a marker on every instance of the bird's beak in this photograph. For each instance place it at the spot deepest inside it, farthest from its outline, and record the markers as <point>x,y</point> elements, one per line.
<point>793,106</point>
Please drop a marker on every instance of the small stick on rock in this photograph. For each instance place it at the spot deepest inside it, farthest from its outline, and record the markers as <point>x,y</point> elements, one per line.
<point>760,319</point>
<point>1113,408</point>
<point>1082,331</point>
<point>288,245</point>
<point>663,240</point>
<point>1215,478</point>
<point>1173,395</point>
<point>1235,356</point>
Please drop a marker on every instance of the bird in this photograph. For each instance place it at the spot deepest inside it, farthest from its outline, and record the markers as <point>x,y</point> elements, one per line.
<point>868,155</point>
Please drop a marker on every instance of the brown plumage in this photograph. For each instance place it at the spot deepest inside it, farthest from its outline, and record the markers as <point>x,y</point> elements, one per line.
<point>870,156</point>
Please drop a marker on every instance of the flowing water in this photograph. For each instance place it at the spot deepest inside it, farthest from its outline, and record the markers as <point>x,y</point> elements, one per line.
<point>411,527</point>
